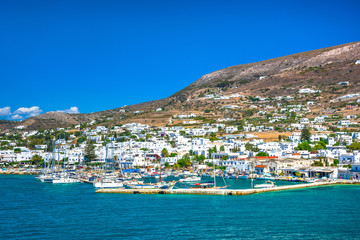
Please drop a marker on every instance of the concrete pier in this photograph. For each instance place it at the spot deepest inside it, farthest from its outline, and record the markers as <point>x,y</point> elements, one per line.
<point>224,191</point>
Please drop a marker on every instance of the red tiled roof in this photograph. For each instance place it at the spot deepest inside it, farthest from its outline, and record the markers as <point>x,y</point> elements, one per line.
<point>260,166</point>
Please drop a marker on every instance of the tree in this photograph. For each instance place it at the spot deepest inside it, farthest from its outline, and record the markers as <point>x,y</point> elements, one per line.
<point>184,161</point>
<point>78,133</point>
<point>165,153</point>
<point>17,150</point>
<point>36,159</point>
<point>222,148</point>
<point>173,144</point>
<point>251,147</point>
<point>199,158</point>
<point>89,151</point>
<point>305,134</point>
<point>354,146</point>
<point>248,112</point>
<point>235,149</point>
<point>320,145</point>
<point>262,154</point>
<point>81,139</point>
<point>317,164</point>
<point>212,150</point>
<point>304,146</point>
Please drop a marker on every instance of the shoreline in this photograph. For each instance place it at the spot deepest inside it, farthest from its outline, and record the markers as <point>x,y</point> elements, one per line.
<point>19,173</point>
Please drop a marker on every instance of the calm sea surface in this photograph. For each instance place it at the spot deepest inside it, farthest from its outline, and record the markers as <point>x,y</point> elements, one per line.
<point>33,210</point>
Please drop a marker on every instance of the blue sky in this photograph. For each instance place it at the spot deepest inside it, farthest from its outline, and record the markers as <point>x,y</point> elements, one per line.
<point>87,56</point>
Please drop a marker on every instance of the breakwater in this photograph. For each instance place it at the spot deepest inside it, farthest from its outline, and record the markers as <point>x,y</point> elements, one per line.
<point>210,191</point>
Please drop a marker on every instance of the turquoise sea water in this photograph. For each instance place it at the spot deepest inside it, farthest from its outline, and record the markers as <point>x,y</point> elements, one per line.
<point>33,210</point>
<point>220,182</point>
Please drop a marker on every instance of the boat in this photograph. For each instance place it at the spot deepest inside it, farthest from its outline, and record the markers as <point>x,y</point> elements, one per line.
<point>267,184</point>
<point>158,185</point>
<point>108,184</point>
<point>161,185</point>
<point>65,179</point>
<point>190,179</point>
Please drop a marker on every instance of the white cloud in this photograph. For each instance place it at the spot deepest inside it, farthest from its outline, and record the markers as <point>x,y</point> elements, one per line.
<point>16,117</point>
<point>5,111</point>
<point>71,110</point>
<point>30,112</point>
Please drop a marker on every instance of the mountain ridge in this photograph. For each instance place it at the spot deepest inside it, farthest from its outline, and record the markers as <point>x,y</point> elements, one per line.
<point>321,68</point>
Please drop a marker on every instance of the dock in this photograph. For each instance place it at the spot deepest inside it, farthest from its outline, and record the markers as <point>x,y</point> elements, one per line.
<point>210,191</point>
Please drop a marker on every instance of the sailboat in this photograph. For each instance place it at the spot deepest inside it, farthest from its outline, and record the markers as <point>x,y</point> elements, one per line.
<point>109,179</point>
<point>64,177</point>
<point>49,172</point>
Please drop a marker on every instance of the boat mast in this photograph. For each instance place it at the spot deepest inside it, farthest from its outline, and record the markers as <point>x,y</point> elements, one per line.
<point>160,170</point>
<point>192,152</point>
<point>59,153</point>
<point>53,161</point>
<point>106,160</point>
<point>64,166</point>
<point>130,152</point>
<point>214,173</point>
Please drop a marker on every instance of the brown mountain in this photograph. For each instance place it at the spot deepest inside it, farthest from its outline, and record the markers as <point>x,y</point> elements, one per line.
<point>320,69</point>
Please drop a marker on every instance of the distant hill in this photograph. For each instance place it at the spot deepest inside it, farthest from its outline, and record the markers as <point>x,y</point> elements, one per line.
<point>4,124</point>
<point>320,69</point>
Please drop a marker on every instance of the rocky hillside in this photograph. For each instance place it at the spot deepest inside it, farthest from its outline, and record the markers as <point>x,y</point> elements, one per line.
<point>320,66</point>
<point>320,70</point>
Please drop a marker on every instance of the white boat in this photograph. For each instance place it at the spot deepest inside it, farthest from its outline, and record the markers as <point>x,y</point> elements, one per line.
<point>151,186</point>
<point>268,184</point>
<point>42,177</point>
<point>108,184</point>
<point>65,180</point>
<point>190,179</point>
